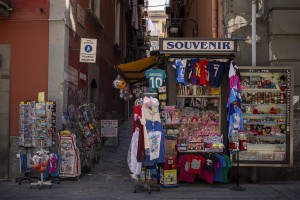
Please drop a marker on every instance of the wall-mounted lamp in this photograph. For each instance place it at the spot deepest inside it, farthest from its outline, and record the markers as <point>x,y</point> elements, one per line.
<point>174,25</point>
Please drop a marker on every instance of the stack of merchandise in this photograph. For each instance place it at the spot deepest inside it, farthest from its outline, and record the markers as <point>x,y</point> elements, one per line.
<point>27,124</point>
<point>88,137</point>
<point>51,123</point>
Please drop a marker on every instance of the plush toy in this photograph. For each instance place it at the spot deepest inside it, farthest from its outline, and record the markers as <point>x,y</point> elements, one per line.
<point>259,129</point>
<point>248,110</point>
<point>254,110</point>
<point>137,92</point>
<point>282,129</point>
<point>282,83</point>
<point>268,130</point>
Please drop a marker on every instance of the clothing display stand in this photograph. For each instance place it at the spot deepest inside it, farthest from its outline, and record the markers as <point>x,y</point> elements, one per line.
<point>54,179</point>
<point>41,182</point>
<point>237,187</point>
<point>145,185</point>
<point>26,177</point>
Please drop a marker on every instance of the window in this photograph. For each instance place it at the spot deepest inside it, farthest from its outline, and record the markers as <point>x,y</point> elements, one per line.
<point>95,7</point>
<point>154,45</point>
<point>154,31</point>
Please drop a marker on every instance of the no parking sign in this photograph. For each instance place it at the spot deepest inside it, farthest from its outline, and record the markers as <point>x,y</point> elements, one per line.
<point>88,50</point>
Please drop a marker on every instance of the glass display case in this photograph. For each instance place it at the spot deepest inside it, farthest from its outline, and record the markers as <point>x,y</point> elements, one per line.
<point>267,114</point>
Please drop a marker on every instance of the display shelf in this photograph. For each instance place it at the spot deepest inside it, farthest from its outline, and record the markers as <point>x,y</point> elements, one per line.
<point>267,90</point>
<point>198,96</point>
<point>264,123</point>
<point>261,89</point>
<point>267,136</point>
<point>265,104</point>
<point>264,115</point>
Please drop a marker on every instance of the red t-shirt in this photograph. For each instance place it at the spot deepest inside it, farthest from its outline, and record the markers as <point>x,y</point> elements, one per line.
<point>197,162</point>
<point>184,174</point>
<point>204,75</point>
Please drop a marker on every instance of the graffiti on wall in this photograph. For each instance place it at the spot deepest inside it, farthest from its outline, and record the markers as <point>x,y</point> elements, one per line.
<point>77,92</point>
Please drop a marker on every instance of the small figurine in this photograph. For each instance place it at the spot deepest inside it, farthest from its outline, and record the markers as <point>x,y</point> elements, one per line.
<point>282,83</point>
<point>259,84</point>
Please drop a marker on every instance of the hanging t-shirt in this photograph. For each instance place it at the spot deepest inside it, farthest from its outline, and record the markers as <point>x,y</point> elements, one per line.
<point>195,75</point>
<point>211,161</point>
<point>226,169</point>
<point>134,166</point>
<point>184,173</point>
<point>156,126</point>
<point>196,164</point>
<point>216,71</point>
<point>188,71</point>
<point>204,73</point>
<point>154,144</point>
<point>211,164</point>
<point>180,66</point>
<point>156,78</point>
<point>218,172</point>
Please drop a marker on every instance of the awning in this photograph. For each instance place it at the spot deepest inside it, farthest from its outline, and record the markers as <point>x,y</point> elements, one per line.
<point>135,71</point>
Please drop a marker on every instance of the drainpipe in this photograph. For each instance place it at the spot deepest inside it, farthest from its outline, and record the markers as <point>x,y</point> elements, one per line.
<point>214,8</point>
<point>253,32</point>
<point>253,170</point>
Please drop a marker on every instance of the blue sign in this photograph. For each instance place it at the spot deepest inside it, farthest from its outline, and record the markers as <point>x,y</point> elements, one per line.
<point>88,48</point>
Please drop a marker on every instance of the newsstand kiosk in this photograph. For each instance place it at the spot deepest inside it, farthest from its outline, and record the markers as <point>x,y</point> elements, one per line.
<point>196,110</point>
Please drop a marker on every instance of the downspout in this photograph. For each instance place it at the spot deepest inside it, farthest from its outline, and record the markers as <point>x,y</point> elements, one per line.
<point>214,6</point>
<point>253,170</point>
<point>253,32</point>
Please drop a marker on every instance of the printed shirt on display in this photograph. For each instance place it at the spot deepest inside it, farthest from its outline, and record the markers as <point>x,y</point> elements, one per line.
<point>184,174</point>
<point>195,76</point>
<point>197,162</point>
<point>216,72</point>
<point>156,126</point>
<point>211,164</point>
<point>156,78</point>
<point>204,73</point>
<point>180,66</point>
<point>219,171</point>
<point>226,169</point>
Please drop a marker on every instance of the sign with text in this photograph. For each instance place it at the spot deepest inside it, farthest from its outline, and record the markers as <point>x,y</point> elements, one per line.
<point>109,128</point>
<point>88,50</point>
<point>178,45</point>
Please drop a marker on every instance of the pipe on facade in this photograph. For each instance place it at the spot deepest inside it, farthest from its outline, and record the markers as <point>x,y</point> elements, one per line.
<point>214,6</point>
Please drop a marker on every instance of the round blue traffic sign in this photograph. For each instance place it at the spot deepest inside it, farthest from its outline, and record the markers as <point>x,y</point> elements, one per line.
<point>88,48</point>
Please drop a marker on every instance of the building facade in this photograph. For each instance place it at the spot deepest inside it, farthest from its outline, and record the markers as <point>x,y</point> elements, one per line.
<point>40,51</point>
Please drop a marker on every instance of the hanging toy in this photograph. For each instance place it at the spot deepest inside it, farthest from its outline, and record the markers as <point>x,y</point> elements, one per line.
<point>119,83</point>
<point>126,94</point>
<point>137,92</point>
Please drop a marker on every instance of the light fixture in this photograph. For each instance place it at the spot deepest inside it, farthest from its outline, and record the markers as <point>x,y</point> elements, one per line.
<point>174,29</point>
<point>175,23</point>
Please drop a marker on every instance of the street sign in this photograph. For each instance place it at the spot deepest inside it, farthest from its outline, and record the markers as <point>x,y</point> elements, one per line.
<point>88,50</point>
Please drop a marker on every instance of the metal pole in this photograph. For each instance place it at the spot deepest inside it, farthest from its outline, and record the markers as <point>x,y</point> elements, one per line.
<point>253,170</point>
<point>253,32</point>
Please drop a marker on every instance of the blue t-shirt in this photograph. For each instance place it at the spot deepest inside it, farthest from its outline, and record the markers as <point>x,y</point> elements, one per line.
<point>180,66</point>
<point>156,126</point>
<point>218,172</point>
<point>156,78</point>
